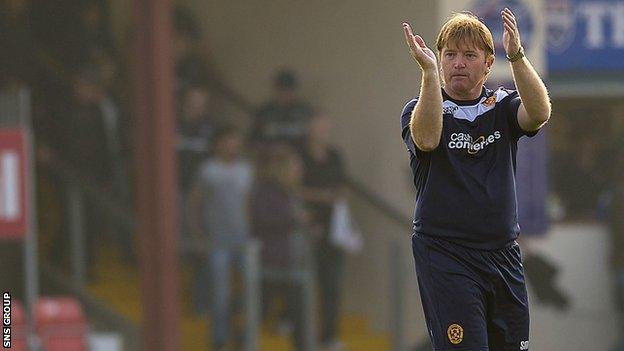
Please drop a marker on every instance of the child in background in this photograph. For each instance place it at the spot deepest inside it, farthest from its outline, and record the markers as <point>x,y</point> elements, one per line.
<point>277,216</point>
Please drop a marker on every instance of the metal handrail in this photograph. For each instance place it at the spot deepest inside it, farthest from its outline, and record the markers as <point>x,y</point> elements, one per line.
<point>93,306</point>
<point>302,273</point>
<point>78,186</point>
<point>120,212</point>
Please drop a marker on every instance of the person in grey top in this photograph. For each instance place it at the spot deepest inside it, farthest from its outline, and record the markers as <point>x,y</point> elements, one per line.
<point>219,223</point>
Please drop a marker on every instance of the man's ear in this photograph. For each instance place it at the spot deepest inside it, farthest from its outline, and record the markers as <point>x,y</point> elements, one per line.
<point>490,61</point>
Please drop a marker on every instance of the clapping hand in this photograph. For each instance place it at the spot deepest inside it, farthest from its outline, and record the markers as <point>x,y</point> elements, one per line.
<point>425,58</point>
<point>511,34</point>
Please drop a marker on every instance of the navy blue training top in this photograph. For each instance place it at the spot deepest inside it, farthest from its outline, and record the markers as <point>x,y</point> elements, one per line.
<point>467,186</point>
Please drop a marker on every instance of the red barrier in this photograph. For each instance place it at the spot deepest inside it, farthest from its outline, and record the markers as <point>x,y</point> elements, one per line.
<point>13,215</point>
<point>18,327</point>
<point>60,324</point>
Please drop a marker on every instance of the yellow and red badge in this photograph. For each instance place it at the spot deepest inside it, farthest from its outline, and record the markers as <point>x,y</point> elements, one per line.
<point>455,333</point>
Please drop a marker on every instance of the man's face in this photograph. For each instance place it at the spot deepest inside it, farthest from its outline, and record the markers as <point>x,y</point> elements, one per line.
<point>285,96</point>
<point>196,104</point>
<point>229,146</point>
<point>87,92</point>
<point>320,128</point>
<point>464,69</point>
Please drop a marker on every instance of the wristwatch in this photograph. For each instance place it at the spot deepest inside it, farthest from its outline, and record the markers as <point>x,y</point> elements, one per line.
<point>515,57</point>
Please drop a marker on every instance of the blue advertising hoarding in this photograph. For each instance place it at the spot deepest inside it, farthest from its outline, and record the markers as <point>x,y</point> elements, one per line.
<point>585,35</point>
<point>532,184</point>
<point>489,11</point>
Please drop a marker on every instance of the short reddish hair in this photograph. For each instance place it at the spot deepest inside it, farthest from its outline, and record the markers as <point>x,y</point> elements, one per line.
<point>465,27</point>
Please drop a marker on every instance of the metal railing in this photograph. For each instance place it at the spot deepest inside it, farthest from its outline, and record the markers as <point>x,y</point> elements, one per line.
<point>78,189</point>
<point>301,273</point>
<point>398,272</point>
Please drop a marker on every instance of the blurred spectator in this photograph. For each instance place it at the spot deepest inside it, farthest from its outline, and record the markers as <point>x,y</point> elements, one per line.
<point>86,143</point>
<point>580,198</point>
<point>95,29</point>
<point>191,67</point>
<point>70,31</point>
<point>277,217</point>
<point>283,119</point>
<point>16,41</point>
<point>85,148</point>
<point>195,128</point>
<point>96,45</point>
<point>218,216</point>
<point>109,68</point>
<point>92,146</point>
<point>323,182</point>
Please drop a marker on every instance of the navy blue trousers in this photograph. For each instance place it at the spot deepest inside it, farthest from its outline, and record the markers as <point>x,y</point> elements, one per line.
<point>473,299</point>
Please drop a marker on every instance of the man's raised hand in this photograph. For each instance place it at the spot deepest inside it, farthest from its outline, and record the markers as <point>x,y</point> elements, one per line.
<point>511,34</point>
<point>419,51</point>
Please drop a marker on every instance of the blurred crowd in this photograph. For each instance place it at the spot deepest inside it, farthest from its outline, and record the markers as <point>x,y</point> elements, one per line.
<point>276,181</point>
